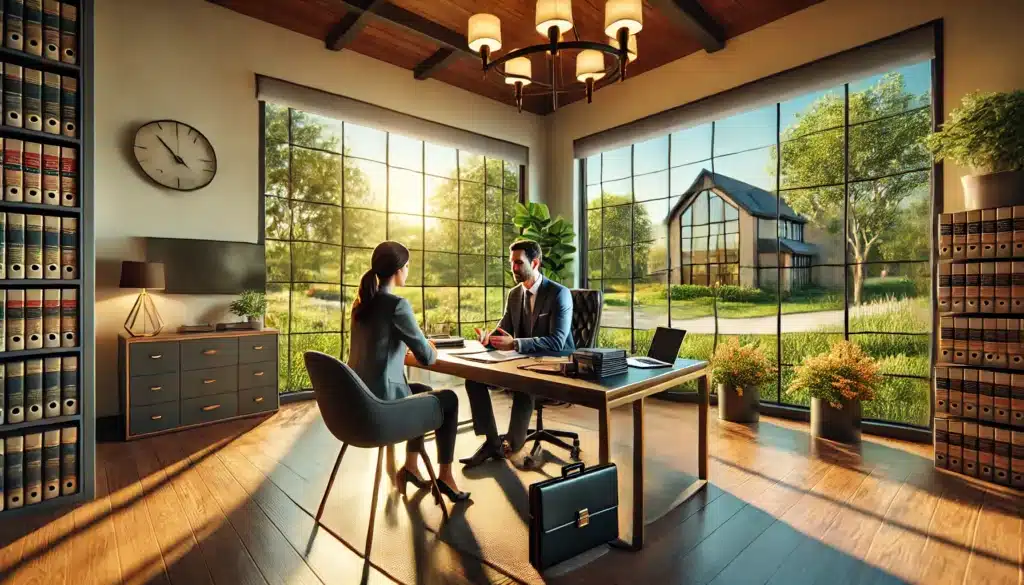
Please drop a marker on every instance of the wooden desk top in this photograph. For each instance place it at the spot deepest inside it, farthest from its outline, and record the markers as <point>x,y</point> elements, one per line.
<point>608,392</point>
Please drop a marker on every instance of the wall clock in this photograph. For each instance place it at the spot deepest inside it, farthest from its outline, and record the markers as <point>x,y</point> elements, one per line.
<point>175,155</point>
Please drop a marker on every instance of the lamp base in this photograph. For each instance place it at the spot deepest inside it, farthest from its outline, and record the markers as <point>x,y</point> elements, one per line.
<point>143,320</point>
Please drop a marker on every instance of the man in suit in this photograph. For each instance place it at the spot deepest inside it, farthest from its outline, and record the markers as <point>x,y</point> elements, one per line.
<point>538,316</point>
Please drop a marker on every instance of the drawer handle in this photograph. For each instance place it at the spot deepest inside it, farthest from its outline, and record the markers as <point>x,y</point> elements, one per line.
<point>156,417</point>
<point>211,407</point>
<point>257,347</point>
<point>258,399</point>
<point>257,373</point>
<point>156,356</point>
<point>156,388</point>
<point>210,381</point>
<point>209,352</point>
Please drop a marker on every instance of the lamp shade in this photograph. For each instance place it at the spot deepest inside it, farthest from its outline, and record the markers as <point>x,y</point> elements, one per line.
<point>628,14</point>
<point>142,275</point>
<point>589,65</point>
<point>630,46</point>
<point>551,13</point>
<point>484,31</point>
<point>522,68</point>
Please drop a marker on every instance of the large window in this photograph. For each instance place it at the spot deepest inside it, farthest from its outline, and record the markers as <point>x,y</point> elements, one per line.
<point>813,214</point>
<point>334,190</point>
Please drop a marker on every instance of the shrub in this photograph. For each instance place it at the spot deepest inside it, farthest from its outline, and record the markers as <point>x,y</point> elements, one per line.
<point>844,372</point>
<point>728,292</point>
<point>985,133</point>
<point>740,366</point>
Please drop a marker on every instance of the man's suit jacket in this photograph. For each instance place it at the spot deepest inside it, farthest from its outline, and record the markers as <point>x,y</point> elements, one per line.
<point>552,318</point>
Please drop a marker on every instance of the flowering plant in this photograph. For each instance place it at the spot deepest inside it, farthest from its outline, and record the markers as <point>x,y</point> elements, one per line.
<point>740,366</point>
<point>844,372</point>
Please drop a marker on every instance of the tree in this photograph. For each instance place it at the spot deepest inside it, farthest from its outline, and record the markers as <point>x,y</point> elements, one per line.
<point>880,153</point>
<point>620,226</point>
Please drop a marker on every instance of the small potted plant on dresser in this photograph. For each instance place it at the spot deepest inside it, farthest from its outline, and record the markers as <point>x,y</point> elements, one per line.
<point>986,135</point>
<point>251,305</point>
<point>837,381</point>
<point>739,372</point>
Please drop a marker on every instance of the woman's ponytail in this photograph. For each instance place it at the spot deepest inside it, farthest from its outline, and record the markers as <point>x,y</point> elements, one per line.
<point>387,259</point>
<point>368,287</point>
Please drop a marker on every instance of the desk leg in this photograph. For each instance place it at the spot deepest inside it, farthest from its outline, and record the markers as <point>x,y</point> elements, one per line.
<point>604,432</point>
<point>638,474</point>
<point>703,392</point>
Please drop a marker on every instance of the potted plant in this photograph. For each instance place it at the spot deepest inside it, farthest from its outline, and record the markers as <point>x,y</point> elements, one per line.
<point>251,305</point>
<point>739,372</point>
<point>837,381</point>
<point>986,134</point>
<point>554,236</point>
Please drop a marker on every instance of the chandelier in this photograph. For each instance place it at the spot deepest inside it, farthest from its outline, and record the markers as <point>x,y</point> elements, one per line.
<point>623,19</point>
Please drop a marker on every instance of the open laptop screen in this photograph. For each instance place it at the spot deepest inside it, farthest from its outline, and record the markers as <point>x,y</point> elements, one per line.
<point>666,343</point>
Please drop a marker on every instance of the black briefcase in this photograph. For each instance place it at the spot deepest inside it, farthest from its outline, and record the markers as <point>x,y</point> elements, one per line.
<point>574,513</point>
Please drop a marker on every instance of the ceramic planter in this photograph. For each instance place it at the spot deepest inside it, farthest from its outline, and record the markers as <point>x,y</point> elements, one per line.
<point>836,424</point>
<point>993,190</point>
<point>735,408</point>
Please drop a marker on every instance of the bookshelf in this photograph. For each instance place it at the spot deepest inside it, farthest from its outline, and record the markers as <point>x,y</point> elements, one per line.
<point>64,432</point>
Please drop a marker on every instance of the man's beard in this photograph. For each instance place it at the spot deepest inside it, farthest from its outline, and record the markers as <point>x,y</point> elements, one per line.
<point>522,276</point>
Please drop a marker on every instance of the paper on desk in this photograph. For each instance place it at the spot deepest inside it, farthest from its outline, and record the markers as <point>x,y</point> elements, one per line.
<point>495,356</point>
<point>472,346</point>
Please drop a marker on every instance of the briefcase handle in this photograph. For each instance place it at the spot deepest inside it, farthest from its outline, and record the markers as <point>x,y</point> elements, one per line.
<point>572,469</point>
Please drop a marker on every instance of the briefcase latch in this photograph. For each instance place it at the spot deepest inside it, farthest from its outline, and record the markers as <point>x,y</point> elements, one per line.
<point>582,518</point>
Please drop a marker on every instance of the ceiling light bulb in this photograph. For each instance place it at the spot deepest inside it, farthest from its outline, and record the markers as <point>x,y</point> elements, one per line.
<point>618,14</point>
<point>557,13</point>
<point>630,47</point>
<point>589,65</point>
<point>521,68</point>
<point>484,33</point>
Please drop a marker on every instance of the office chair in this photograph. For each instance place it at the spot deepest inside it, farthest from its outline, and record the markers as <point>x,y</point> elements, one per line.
<point>586,322</point>
<point>355,416</point>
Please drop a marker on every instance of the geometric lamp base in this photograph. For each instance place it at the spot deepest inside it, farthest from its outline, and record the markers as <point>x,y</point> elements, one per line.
<point>143,320</point>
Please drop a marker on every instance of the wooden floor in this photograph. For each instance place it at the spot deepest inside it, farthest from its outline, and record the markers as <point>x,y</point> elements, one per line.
<point>209,506</point>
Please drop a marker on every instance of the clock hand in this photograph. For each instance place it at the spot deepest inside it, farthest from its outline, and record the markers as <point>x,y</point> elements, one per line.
<point>177,158</point>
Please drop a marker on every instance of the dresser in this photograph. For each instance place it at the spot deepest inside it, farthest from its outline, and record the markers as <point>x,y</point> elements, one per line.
<point>176,381</point>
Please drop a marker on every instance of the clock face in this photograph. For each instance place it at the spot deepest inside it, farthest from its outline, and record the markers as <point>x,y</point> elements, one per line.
<point>175,155</point>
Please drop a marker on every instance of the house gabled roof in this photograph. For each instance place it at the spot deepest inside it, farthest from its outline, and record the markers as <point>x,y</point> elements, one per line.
<point>753,200</point>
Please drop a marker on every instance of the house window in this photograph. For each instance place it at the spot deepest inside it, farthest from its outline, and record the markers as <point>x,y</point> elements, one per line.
<point>710,231</point>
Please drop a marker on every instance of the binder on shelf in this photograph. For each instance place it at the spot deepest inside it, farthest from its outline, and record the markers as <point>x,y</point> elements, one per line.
<point>15,474</point>
<point>956,446</point>
<point>975,343</point>
<point>960,235</point>
<point>33,246</point>
<point>51,317</point>
<point>3,327</point>
<point>69,248</point>
<point>69,317</point>
<point>51,103</point>
<point>32,98</point>
<point>1001,357</point>
<point>956,391</point>
<point>946,336</point>
<point>34,318</point>
<point>3,242</point>
<point>961,332</point>
<point>973,234</point>
<point>972,288</point>
<point>69,385</point>
<point>970,394</point>
<point>1017,400</point>
<point>33,381</point>
<point>1016,287</point>
<point>986,446</point>
<point>51,247</point>
<point>51,29</point>
<point>1013,340</point>
<point>69,106</point>
<point>3,499</point>
<point>33,468</point>
<point>988,233</point>
<point>1001,398</point>
<point>14,319</point>
<point>1001,456</point>
<point>51,173</point>
<point>987,288</point>
<point>51,387</point>
<point>34,27</point>
<point>971,449</point>
<point>946,235</point>
<point>944,288</point>
<point>32,172</point>
<point>1018,230</point>
<point>942,390</point>
<point>12,95</point>
<point>12,170</point>
<point>1003,288</point>
<point>3,402</point>
<point>1004,232</point>
<point>68,177</point>
<point>941,443</point>
<point>68,33</point>
<point>990,343</point>
<point>69,460</point>
<point>1017,459</point>
<point>986,380</point>
<point>957,287</point>
<point>51,464</point>
<point>14,24</point>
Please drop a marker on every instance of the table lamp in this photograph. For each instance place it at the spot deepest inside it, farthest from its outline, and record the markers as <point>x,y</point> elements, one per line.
<point>143,320</point>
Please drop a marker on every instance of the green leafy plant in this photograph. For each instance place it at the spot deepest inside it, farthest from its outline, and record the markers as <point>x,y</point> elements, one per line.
<point>554,236</point>
<point>740,366</point>
<point>844,372</point>
<point>985,133</point>
<point>251,303</point>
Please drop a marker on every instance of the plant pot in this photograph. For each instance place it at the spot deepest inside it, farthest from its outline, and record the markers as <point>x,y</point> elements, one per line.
<point>256,322</point>
<point>993,189</point>
<point>836,424</point>
<point>735,408</point>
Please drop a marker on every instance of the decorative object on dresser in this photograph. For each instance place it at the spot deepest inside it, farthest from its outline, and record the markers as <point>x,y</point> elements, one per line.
<point>143,320</point>
<point>171,382</point>
<point>251,305</point>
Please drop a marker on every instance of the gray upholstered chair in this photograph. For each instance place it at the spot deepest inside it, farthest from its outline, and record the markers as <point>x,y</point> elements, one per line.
<point>586,321</point>
<point>357,417</point>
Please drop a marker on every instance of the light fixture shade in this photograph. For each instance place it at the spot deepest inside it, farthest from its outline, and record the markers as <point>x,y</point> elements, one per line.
<point>619,14</point>
<point>589,65</point>
<point>520,66</point>
<point>484,31</point>
<point>630,46</point>
<point>142,275</point>
<point>551,13</point>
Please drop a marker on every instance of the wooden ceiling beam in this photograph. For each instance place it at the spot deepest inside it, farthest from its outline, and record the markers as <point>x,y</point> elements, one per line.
<point>411,22</point>
<point>691,17</point>
<point>348,28</point>
<point>439,60</point>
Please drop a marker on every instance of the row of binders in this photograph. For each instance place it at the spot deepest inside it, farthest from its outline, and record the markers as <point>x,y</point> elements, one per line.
<point>38,466</point>
<point>977,341</point>
<point>38,389</point>
<point>38,246</point>
<point>38,318</point>
<point>981,287</point>
<point>46,102</point>
<point>39,173</point>
<point>980,395</point>
<point>977,450</point>
<point>48,28</point>
<point>986,233</point>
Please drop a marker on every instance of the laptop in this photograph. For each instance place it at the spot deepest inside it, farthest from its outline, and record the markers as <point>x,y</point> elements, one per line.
<point>664,349</point>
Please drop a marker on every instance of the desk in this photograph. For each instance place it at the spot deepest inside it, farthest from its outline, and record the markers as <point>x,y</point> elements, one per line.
<point>604,395</point>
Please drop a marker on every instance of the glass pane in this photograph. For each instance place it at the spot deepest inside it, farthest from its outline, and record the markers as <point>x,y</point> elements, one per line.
<point>316,176</point>
<point>594,228</point>
<point>754,167</point>
<point>364,228</point>
<point>731,213</point>
<point>276,179</point>
<point>618,338</point>
<point>276,122</point>
<point>365,184</point>
<point>716,209</point>
<point>511,181</point>
<point>316,223</point>
<point>471,238</point>
<point>594,265</point>
<point>823,210</point>
<point>653,186</point>
<point>494,172</point>
<point>471,304</point>
<point>901,400</point>
<point>405,153</point>
<point>617,262</point>
<point>890,298</point>
<point>316,307</point>
<point>471,166</point>
<point>440,160</point>
<point>594,169</point>
<point>493,196</point>
<point>817,159</point>
<point>441,269</point>
<point>797,346</point>
<point>278,214</point>
<point>745,131</point>
<point>894,215</point>
<point>348,297</point>
<point>650,257</point>
<point>316,131</point>
<point>897,91</point>
<point>471,270</point>
<point>298,378</point>
<point>315,262</point>
<point>617,225</point>
<point>415,277</point>
<point>511,234</point>
<point>650,156</point>
<point>699,209</point>
<point>442,235</point>
<point>471,201</point>
<point>812,112</point>
<point>494,240</point>
<point>277,306</point>
<point>407,229</point>
<point>617,305</point>
<point>279,264</point>
<point>650,305</point>
<point>616,164</point>
<point>442,306</point>
<point>364,142</point>
<point>682,178</point>
<point>509,206</point>
<point>594,196</point>
<point>495,304</point>
<point>888,146</point>
<point>442,197</point>
<point>405,192</point>
<point>357,262</point>
<point>617,192</point>
<point>649,220</point>
<point>691,145</point>
<point>495,271</point>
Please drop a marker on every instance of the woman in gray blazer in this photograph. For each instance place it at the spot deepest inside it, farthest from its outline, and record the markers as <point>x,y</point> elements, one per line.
<point>383,326</point>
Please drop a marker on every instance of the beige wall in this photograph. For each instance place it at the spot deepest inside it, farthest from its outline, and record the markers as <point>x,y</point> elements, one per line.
<point>983,45</point>
<point>194,61</point>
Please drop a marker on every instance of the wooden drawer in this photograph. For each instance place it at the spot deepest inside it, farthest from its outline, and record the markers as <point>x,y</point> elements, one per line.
<point>153,358</point>
<point>257,399</point>
<point>198,354</point>
<point>209,408</point>
<point>153,389</point>
<point>153,418</point>
<point>257,348</point>
<point>210,381</point>
<point>258,374</point>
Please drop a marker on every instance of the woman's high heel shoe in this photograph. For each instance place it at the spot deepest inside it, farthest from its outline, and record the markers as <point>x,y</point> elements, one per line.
<point>447,490</point>
<point>404,476</point>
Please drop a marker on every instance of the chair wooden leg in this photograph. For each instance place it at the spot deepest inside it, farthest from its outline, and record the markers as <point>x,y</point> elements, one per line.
<point>433,484</point>
<point>330,482</point>
<point>373,503</point>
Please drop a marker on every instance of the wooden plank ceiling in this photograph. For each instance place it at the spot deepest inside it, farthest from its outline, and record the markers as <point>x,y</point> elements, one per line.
<point>428,37</point>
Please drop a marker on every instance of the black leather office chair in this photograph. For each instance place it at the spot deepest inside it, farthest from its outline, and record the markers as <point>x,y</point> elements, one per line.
<point>357,417</point>
<point>586,322</point>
